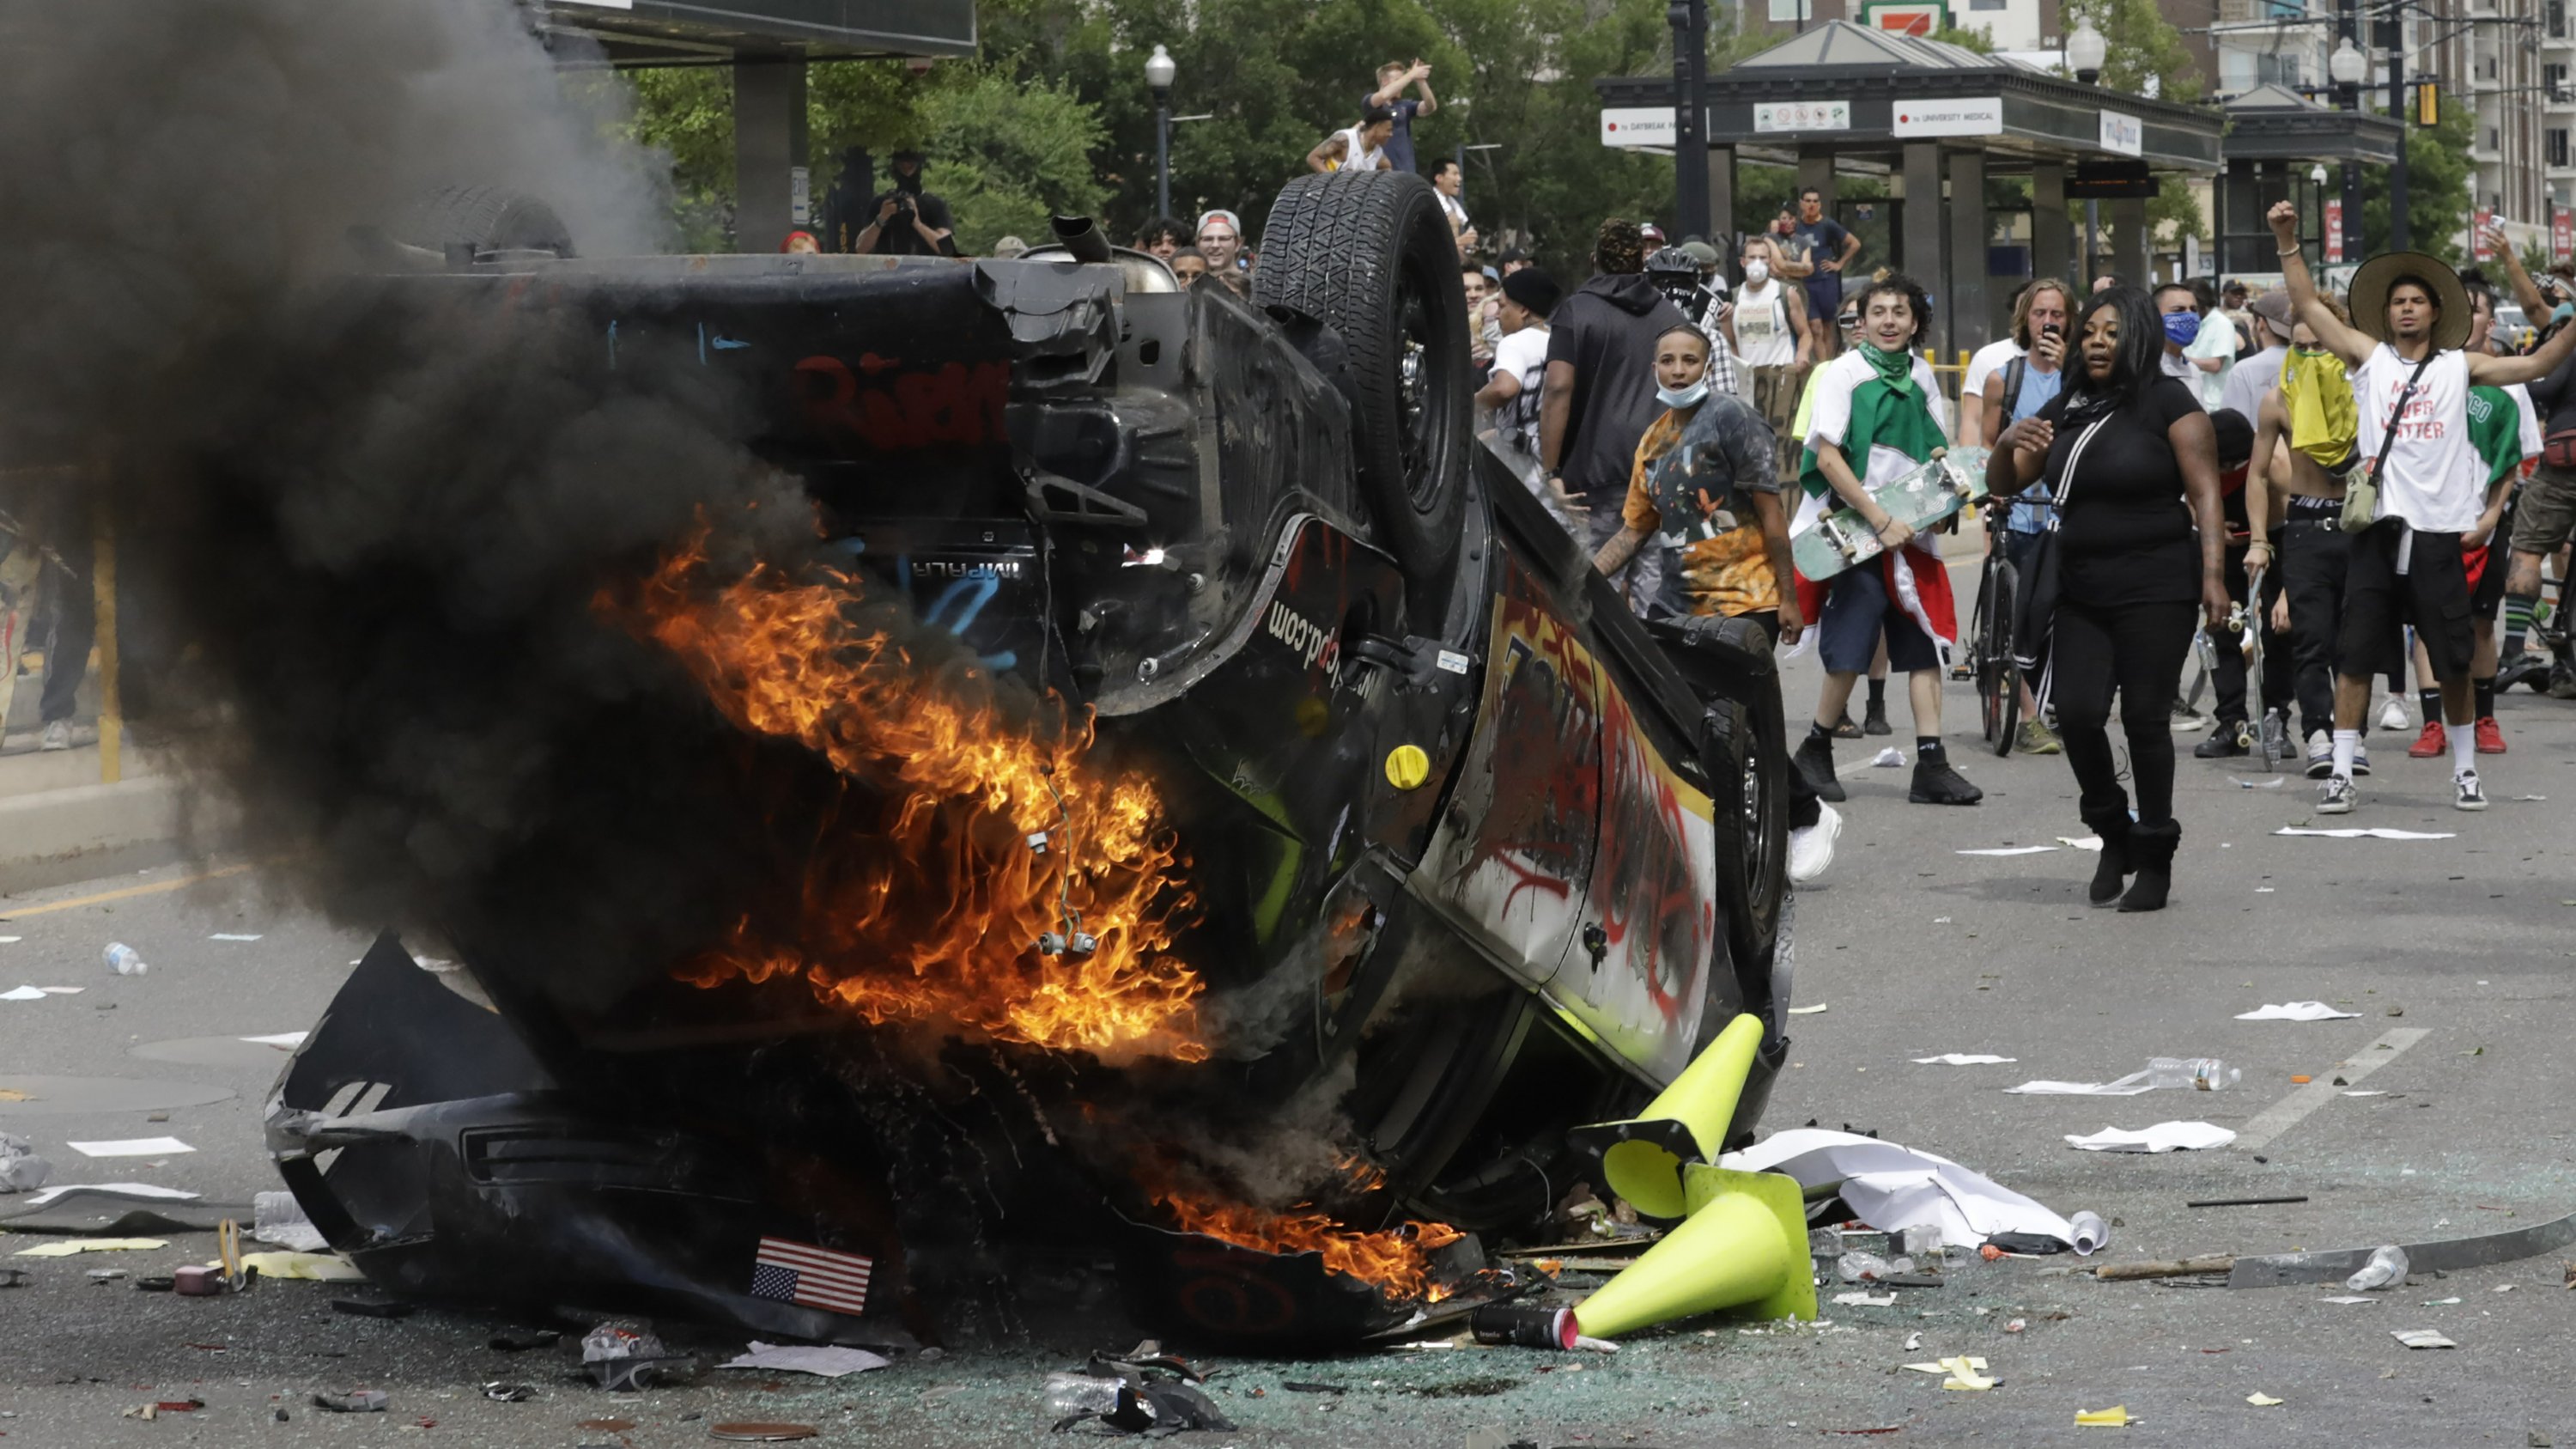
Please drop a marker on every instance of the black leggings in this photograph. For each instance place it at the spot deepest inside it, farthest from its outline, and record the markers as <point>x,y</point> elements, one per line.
<point>2137,649</point>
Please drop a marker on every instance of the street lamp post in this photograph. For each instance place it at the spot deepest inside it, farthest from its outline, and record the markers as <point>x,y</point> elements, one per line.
<point>2085,52</point>
<point>1689,19</point>
<point>2347,66</point>
<point>1159,71</point>
<point>2397,237</point>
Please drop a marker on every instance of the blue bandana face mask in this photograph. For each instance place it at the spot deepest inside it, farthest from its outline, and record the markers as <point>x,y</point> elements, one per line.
<point>1689,397</point>
<point>2181,327</point>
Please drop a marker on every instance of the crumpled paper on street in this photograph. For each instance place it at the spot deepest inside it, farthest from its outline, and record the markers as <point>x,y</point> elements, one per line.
<point>1891,1187</point>
<point>2297,1011</point>
<point>90,1245</point>
<point>2115,1417</point>
<point>2374,832</point>
<point>318,1267</point>
<point>830,1363</point>
<point>1962,1059</point>
<point>1962,1372</point>
<point>2162,1137</point>
<point>2131,1085</point>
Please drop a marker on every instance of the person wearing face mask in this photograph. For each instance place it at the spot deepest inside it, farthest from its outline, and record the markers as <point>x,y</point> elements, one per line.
<point>1879,415</point>
<point>1767,327</point>
<point>1705,489</point>
<point>2194,353</point>
<point>2132,461</point>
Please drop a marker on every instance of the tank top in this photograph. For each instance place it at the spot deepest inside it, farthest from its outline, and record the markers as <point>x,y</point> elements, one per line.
<point>1762,337</point>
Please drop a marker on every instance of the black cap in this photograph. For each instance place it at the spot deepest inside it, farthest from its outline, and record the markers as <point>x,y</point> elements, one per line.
<point>1533,289</point>
<point>2235,437</point>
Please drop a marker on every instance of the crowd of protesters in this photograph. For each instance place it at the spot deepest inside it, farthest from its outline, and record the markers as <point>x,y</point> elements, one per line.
<point>2362,484</point>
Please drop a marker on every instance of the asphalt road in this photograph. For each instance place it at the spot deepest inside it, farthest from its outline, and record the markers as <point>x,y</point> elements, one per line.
<point>1912,949</point>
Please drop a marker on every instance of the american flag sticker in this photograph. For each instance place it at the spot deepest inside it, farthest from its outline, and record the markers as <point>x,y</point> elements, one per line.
<point>814,1277</point>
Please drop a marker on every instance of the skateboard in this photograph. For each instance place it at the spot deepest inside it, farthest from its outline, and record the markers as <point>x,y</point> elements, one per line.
<point>1930,493</point>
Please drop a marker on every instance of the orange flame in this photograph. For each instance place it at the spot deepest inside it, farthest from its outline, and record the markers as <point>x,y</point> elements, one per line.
<point>1397,1262</point>
<point>930,905</point>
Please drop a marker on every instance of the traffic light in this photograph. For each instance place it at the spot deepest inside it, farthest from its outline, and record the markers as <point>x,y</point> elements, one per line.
<point>2428,103</point>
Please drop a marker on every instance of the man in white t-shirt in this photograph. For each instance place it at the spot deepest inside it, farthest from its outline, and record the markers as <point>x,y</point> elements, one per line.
<point>1767,327</point>
<point>1511,391</point>
<point>1984,363</point>
<point>2411,317</point>
<point>1361,148</point>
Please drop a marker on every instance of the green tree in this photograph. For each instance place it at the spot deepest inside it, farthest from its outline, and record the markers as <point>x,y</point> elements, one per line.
<point>686,113</point>
<point>2437,190</point>
<point>1010,156</point>
<point>2145,56</point>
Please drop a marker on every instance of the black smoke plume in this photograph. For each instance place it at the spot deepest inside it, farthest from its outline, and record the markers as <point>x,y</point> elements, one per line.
<point>360,540</point>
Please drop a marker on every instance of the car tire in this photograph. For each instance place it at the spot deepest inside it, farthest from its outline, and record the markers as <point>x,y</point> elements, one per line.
<point>1744,747</point>
<point>1370,255</point>
<point>487,218</point>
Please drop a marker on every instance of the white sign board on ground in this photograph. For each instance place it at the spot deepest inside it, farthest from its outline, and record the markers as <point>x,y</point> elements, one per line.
<point>1981,116</point>
<point>2125,134</point>
<point>1638,126</point>
<point>1774,118</point>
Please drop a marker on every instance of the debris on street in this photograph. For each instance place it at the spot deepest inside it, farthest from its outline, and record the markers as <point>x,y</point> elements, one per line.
<point>21,1170</point>
<point>624,1357</point>
<point>2115,1417</point>
<point>90,1245</point>
<point>825,1362</point>
<point>356,1401</point>
<point>2297,1011</point>
<point>2420,1338</point>
<point>2162,1137</point>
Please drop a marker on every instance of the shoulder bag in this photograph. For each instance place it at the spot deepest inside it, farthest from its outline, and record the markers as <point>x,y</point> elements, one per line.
<point>2361,489</point>
<point>2034,622</point>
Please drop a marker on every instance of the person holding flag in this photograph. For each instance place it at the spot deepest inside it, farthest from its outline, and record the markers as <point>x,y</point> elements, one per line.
<point>1879,415</point>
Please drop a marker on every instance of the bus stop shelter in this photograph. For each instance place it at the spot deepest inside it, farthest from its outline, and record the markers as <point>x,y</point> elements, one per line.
<point>767,44</point>
<point>2277,142</point>
<point>1940,122</point>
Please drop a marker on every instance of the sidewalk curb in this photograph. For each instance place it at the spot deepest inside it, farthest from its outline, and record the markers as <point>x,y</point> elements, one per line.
<point>48,832</point>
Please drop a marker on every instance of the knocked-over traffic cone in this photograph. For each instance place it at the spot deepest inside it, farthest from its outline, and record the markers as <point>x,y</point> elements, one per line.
<point>1743,1247</point>
<point>1642,1157</point>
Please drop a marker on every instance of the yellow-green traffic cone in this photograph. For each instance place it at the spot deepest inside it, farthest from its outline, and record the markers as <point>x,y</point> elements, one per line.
<point>1743,1247</point>
<point>1642,1157</point>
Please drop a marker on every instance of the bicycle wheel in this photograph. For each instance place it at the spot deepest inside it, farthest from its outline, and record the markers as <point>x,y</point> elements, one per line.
<point>1997,680</point>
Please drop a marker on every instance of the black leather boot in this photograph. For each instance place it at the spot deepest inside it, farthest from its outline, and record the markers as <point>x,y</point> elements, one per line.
<point>2113,827</point>
<point>2151,852</point>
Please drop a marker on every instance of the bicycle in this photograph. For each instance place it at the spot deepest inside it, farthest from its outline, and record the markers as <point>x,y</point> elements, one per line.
<point>1990,628</point>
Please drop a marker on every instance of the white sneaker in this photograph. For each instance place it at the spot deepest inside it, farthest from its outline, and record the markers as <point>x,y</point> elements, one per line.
<point>2320,755</point>
<point>2470,797</point>
<point>2392,716</point>
<point>2337,796</point>
<point>1811,848</point>
<point>58,736</point>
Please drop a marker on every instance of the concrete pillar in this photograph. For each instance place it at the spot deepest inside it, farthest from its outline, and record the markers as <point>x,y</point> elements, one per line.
<point>1965,319</point>
<point>1816,169</point>
<point>768,149</point>
<point>2049,250</point>
<point>1721,199</point>
<point>2129,249</point>
<point>1921,239</point>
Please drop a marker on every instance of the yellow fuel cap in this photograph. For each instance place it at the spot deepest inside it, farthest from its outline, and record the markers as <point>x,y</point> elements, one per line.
<point>1407,767</point>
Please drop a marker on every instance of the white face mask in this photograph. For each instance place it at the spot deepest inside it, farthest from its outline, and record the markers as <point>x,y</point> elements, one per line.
<point>1757,271</point>
<point>1688,397</point>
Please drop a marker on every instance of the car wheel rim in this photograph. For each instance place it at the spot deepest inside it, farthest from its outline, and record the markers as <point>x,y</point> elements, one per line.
<point>1416,393</point>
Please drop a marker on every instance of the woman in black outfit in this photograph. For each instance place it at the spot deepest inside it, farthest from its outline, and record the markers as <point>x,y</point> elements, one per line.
<point>2131,573</point>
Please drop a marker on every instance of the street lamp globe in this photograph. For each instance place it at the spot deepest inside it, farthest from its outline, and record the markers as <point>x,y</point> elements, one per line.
<point>2086,50</point>
<point>2347,65</point>
<point>1159,69</point>
<point>2317,174</point>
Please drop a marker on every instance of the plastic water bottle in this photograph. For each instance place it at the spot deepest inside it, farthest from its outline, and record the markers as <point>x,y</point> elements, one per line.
<point>124,960</point>
<point>2207,1074</point>
<point>2386,1269</point>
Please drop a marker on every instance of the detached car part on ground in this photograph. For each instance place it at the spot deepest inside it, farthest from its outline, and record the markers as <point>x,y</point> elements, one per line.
<point>1488,849</point>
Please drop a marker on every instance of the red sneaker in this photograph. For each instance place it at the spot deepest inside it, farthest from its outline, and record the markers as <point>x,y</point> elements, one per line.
<point>2490,736</point>
<point>2434,741</point>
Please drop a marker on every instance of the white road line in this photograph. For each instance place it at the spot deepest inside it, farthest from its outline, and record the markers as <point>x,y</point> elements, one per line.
<point>2288,1112</point>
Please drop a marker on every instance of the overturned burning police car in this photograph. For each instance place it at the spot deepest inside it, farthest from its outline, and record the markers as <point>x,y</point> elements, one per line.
<point>1218,815</point>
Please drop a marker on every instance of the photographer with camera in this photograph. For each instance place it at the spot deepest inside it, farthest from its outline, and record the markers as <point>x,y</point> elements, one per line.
<point>909,221</point>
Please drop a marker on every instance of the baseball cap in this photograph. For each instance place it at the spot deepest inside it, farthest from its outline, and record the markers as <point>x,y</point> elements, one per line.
<point>2274,308</point>
<point>1701,252</point>
<point>1533,289</point>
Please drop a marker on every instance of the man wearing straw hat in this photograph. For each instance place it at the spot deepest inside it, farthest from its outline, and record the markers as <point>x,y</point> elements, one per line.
<point>2411,381</point>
